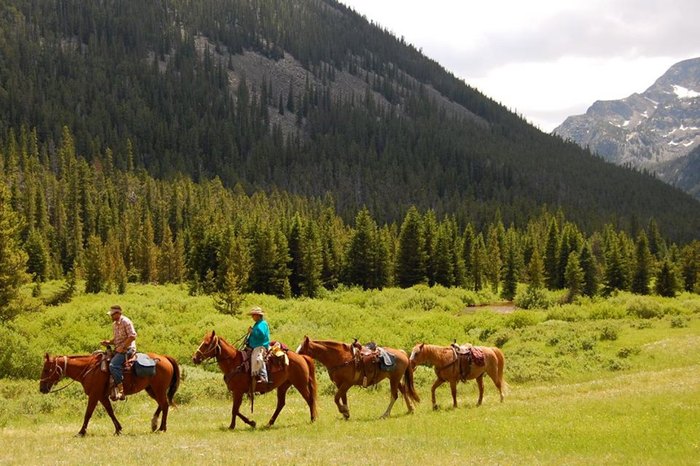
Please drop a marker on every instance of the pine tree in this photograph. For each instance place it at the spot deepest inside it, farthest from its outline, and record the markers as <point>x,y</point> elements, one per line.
<point>551,261</point>
<point>362,251</point>
<point>536,270</point>
<point>410,257</point>
<point>492,267</point>
<point>574,276</point>
<point>95,273</point>
<point>642,266</point>
<point>511,267</point>
<point>13,259</point>
<point>590,270</point>
<point>666,280</point>
<point>443,261</point>
<point>478,261</point>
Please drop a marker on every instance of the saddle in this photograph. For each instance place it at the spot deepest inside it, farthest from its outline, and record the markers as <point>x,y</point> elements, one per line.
<point>466,356</point>
<point>370,359</point>
<point>139,364</point>
<point>276,359</point>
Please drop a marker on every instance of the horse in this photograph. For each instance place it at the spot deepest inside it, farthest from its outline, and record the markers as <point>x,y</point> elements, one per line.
<point>345,371</point>
<point>86,370</point>
<point>447,368</point>
<point>300,373</point>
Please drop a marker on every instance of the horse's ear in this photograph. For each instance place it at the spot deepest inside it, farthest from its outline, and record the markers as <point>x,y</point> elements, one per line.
<point>422,345</point>
<point>213,333</point>
<point>46,356</point>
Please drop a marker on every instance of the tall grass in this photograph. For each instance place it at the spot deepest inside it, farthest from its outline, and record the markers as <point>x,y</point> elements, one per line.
<point>604,381</point>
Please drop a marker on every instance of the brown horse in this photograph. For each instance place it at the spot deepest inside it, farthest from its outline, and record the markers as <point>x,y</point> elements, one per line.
<point>300,373</point>
<point>447,369</point>
<point>86,370</point>
<point>345,371</point>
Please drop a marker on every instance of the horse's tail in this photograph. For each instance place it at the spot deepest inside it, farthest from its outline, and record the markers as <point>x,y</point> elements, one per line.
<point>174,381</point>
<point>313,386</point>
<point>410,387</point>
<point>501,366</point>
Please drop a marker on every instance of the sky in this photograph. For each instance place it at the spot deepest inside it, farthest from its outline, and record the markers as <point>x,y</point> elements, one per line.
<point>546,59</point>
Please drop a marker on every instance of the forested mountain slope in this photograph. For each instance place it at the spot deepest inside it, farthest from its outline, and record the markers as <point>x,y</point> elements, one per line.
<point>304,96</point>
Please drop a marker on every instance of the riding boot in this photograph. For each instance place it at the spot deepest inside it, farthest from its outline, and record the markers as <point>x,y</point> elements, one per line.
<point>120,392</point>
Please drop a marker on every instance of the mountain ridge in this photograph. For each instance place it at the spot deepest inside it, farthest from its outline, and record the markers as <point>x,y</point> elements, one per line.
<point>654,130</point>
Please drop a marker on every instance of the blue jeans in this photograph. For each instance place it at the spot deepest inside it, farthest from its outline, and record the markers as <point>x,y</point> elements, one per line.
<point>116,366</point>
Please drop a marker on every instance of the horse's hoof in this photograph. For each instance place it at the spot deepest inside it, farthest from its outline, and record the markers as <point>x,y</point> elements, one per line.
<point>253,424</point>
<point>80,434</point>
<point>436,408</point>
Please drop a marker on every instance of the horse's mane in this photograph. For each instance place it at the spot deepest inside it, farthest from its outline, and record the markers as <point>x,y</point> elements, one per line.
<point>437,351</point>
<point>332,343</point>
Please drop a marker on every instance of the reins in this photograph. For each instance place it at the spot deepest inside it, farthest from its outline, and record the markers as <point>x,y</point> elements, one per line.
<point>62,373</point>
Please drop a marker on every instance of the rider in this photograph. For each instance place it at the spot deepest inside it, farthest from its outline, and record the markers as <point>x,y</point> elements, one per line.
<point>259,341</point>
<point>124,342</point>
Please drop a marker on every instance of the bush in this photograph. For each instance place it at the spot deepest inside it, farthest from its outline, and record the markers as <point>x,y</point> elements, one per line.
<point>521,319</point>
<point>679,321</point>
<point>501,337</point>
<point>608,332</point>
<point>626,352</point>
<point>644,308</point>
<point>533,298</point>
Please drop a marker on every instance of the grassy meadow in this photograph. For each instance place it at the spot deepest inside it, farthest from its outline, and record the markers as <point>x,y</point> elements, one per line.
<point>608,381</point>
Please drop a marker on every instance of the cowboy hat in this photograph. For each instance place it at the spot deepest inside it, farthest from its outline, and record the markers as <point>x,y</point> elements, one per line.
<point>256,311</point>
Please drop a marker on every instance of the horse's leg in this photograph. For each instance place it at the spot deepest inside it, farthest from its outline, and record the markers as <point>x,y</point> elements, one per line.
<point>480,384</point>
<point>236,411</point>
<point>394,396</point>
<point>341,400</point>
<point>402,389</point>
<point>110,411</point>
<point>281,401</point>
<point>493,373</point>
<point>92,403</point>
<point>453,389</point>
<point>437,383</point>
<point>154,419</point>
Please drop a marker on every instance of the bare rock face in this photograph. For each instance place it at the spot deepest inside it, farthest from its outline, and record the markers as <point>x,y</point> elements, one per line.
<point>657,130</point>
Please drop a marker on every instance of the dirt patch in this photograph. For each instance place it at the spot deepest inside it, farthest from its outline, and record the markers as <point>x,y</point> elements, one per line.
<point>505,307</point>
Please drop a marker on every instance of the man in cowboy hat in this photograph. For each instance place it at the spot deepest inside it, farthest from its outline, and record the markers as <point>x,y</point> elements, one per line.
<point>259,341</point>
<point>124,342</point>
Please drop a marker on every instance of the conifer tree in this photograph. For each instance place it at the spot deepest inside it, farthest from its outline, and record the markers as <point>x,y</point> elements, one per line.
<point>443,256</point>
<point>311,261</point>
<point>467,246</point>
<point>492,267</point>
<point>574,276</point>
<point>13,259</point>
<point>95,273</point>
<point>551,261</point>
<point>410,257</point>
<point>642,266</point>
<point>590,270</point>
<point>666,280</point>
<point>478,261</point>
<point>535,270</point>
<point>362,251</point>
<point>429,229</point>
<point>511,267</point>
<point>615,268</point>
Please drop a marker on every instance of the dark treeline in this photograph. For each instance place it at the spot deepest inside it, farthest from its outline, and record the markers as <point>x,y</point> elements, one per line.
<point>129,77</point>
<point>62,216</point>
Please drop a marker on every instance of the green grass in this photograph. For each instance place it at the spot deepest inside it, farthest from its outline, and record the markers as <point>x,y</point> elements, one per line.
<point>594,383</point>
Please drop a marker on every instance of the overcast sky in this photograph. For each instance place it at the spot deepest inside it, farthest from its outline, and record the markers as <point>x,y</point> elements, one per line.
<point>546,59</point>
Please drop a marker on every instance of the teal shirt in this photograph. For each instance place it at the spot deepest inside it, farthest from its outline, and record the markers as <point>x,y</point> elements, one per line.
<point>259,335</point>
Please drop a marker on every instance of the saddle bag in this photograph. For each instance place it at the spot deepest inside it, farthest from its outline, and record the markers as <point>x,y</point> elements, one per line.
<point>144,366</point>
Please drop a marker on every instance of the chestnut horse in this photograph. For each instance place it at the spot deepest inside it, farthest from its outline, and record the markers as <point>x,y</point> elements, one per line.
<point>445,361</point>
<point>86,370</point>
<point>300,373</point>
<point>343,370</point>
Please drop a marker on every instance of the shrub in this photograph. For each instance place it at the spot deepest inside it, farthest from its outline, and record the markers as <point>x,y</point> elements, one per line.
<point>626,352</point>
<point>679,321</point>
<point>617,365</point>
<point>644,308</point>
<point>521,319</point>
<point>608,332</point>
<point>501,337</point>
<point>533,298</point>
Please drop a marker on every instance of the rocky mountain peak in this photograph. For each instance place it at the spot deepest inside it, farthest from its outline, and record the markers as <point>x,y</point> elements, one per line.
<point>655,130</point>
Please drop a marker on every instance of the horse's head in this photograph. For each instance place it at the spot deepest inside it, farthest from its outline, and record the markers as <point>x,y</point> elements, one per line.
<point>303,348</point>
<point>53,370</point>
<point>209,348</point>
<point>417,355</point>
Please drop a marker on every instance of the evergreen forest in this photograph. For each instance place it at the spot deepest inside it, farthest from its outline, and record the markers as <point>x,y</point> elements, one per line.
<point>139,145</point>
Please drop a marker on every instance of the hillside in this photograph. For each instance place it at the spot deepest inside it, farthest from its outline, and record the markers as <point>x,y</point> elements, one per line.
<point>306,97</point>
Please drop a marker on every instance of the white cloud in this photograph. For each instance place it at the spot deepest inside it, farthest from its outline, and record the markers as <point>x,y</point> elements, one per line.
<point>547,59</point>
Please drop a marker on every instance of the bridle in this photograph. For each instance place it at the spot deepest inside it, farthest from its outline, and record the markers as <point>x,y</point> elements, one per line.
<point>61,371</point>
<point>57,369</point>
<point>203,356</point>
